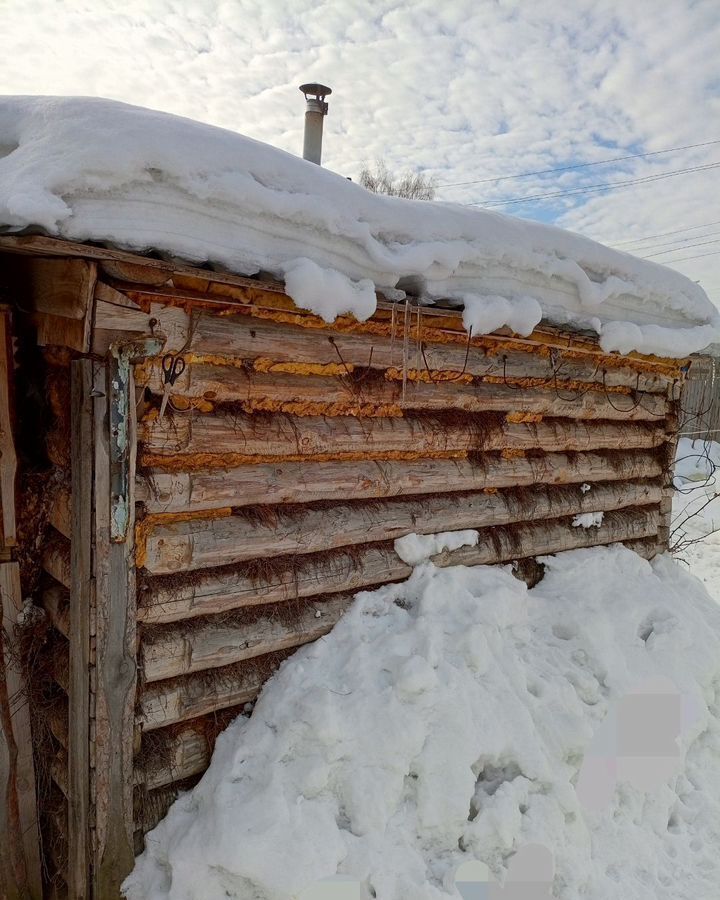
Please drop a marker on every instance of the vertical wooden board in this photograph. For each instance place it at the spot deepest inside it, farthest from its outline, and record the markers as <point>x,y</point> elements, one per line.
<point>8,458</point>
<point>62,295</point>
<point>115,659</point>
<point>81,528</point>
<point>20,847</point>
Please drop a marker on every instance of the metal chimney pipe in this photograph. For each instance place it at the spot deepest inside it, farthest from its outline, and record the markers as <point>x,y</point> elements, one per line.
<point>315,111</point>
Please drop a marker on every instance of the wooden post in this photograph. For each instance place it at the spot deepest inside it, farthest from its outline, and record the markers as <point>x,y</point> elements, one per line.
<point>115,616</point>
<point>19,837</point>
<point>81,602</point>
<point>115,674</point>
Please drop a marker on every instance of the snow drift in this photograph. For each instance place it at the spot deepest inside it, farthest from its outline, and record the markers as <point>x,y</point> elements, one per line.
<point>89,169</point>
<point>459,720</point>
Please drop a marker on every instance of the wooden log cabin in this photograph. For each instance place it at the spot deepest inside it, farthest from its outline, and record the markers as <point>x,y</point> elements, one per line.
<point>196,477</point>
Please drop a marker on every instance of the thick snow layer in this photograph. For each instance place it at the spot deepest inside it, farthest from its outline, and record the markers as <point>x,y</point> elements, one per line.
<point>460,720</point>
<point>89,169</point>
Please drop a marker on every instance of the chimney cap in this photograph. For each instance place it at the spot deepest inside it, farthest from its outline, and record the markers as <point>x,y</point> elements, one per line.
<point>317,91</point>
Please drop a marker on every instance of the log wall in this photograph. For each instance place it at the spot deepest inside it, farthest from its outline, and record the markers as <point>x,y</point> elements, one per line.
<point>289,457</point>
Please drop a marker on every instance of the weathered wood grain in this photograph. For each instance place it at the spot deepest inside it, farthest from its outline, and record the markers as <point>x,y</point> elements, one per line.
<point>169,651</point>
<point>345,396</point>
<point>115,658</point>
<point>8,456</point>
<point>224,438</point>
<point>241,337</point>
<point>20,838</point>
<point>204,543</point>
<point>166,652</point>
<point>80,612</point>
<point>175,754</point>
<point>296,482</point>
<point>56,558</point>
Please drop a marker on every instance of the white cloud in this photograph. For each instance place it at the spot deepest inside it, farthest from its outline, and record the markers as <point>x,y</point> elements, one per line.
<point>467,89</point>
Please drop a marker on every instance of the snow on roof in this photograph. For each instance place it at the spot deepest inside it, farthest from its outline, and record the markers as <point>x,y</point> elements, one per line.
<point>95,170</point>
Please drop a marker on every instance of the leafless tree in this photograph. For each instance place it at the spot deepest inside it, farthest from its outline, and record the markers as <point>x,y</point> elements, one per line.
<point>380,180</point>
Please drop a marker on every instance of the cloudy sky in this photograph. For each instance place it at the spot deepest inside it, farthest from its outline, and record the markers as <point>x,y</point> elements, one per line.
<point>473,92</point>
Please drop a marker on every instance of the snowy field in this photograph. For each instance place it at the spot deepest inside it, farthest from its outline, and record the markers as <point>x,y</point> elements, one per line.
<point>459,735</point>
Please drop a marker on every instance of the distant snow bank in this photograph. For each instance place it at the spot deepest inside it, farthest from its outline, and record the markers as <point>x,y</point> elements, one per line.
<point>90,169</point>
<point>454,721</point>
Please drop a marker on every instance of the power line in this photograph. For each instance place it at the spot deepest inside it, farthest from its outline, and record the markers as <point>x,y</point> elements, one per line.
<point>669,262</point>
<point>650,237</point>
<point>594,187</point>
<point>679,249</point>
<point>674,244</point>
<point>600,162</point>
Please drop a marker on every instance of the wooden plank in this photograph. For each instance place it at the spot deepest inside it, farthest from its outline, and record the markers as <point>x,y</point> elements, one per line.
<point>200,441</point>
<point>282,392</point>
<point>115,650</point>
<point>169,651</point>
<point>203,543</point>
<point>109,294</point>
<point>80,611</point>
<point>213,338</point>
<point>20,846</point>
<point>165,599</point>
<point>297,482</point>
<point>8,457</point>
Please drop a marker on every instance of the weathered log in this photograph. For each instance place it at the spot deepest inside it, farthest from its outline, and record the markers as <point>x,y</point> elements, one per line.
<point>56,559</point>
<point>241,337</point>
<point>163,703</point>
<point>168,651</point>
<point>186,697</point>
<point>167,599</point>
<point>174,754</point>
<point>171,650</point>
<point>296,482</point>
<point>204,543</point>
<point>199,441</point>
<point>60,514</point>
<point>56,603</point>
<point>312,394</point>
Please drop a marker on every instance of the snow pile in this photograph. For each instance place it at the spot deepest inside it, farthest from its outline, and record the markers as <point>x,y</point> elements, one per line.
<point>416,548</point>
<point>89,169</point>
<point>459,719</point>
<point>588,520</point>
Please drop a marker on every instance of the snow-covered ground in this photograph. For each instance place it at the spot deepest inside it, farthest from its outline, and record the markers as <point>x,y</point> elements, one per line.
<point>563,741</point>
<point>90,169</point>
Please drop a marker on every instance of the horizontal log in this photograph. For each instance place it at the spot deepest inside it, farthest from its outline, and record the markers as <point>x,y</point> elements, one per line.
<point>371,345</point>
<point>203,543</point>
<point>168,599</point>
<point>56,603</point>
<point>296,482</point>
<point>172,755</point>
<point>164,703</point>
<point>59,513</point>
<point>56,558</point>
<point>342,395</point>
<point>169,651</point>
<point>199,441</point>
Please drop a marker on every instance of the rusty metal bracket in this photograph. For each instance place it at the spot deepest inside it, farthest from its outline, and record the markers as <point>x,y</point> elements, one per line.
<point>121,414</point>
